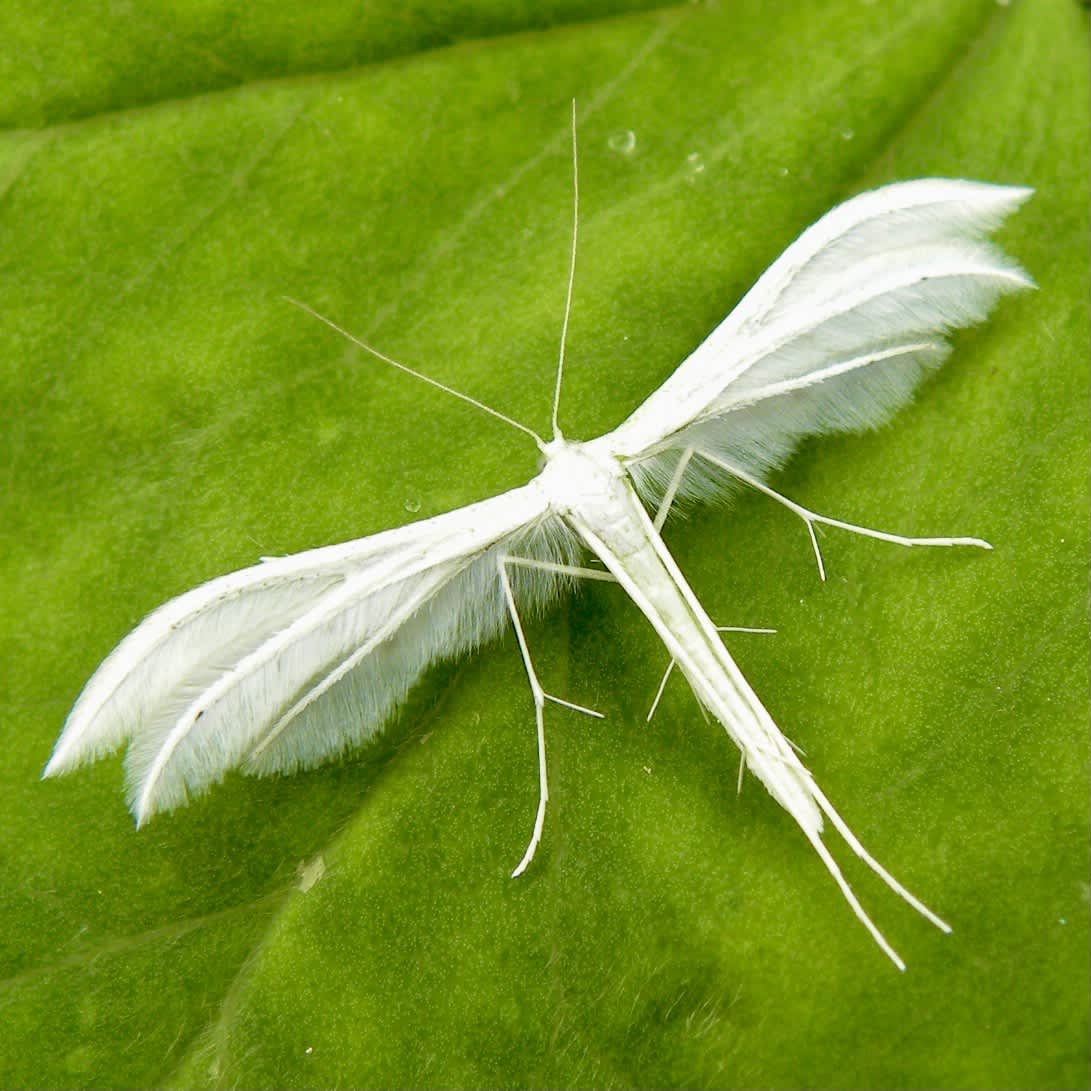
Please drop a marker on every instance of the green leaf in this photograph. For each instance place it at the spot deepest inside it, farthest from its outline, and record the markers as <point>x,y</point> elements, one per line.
<point>167,177</point>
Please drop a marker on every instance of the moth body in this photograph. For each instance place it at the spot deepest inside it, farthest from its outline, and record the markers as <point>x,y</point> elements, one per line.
<point>589,487</point>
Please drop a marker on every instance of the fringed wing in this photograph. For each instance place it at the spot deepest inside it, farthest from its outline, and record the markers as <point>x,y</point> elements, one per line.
<point>287,663</point>
<point>835,335</point>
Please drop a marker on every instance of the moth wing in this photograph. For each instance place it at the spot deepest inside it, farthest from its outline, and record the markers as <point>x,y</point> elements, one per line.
<point>291,661</point>
<point>835,335</point>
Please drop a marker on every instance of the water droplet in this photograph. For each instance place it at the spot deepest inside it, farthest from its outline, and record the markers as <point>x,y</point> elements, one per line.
<point>695,164</point>
<point>412,505</point>
<point>623,142</point>
<point>848,134</point>
<point>783,172</point>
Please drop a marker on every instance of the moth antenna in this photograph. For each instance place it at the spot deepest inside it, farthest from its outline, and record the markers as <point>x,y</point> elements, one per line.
<point>412,371</point>
<point>571,275</point>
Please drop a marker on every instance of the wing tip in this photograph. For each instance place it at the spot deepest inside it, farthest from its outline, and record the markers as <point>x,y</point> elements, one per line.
<point>143,802</point>
<point>57,766</point>
<point>71,749</point>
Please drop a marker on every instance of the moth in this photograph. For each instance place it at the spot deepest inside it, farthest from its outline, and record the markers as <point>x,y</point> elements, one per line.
<point>297,659</point>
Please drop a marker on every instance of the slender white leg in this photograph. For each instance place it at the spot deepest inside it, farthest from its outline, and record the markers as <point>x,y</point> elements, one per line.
<point>539,704</point>
<point>810,518</point>
<point>540,697</point>
<point>659,692</point>
<point>672,489</point>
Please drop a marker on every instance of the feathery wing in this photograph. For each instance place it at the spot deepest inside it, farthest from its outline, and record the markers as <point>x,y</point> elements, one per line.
<point>284,664</point>
<point>835,335</point>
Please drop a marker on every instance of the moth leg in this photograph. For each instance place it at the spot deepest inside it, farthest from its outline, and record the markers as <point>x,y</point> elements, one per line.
<point>659,692</point>
<point>540,697</point>
<point>810,518</point>
<point>672,490</point>
<point>671,665</point>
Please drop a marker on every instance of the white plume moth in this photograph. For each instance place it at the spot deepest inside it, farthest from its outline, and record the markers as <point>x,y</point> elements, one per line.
<point>294,660</point>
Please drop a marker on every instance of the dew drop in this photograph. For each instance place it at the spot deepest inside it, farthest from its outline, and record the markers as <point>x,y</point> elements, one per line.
<point>412,505</point>
<point>695,164</point>
<point>623,142</point>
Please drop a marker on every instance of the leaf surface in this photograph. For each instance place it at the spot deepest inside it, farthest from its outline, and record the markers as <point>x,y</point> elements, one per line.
<point>167,417</point>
